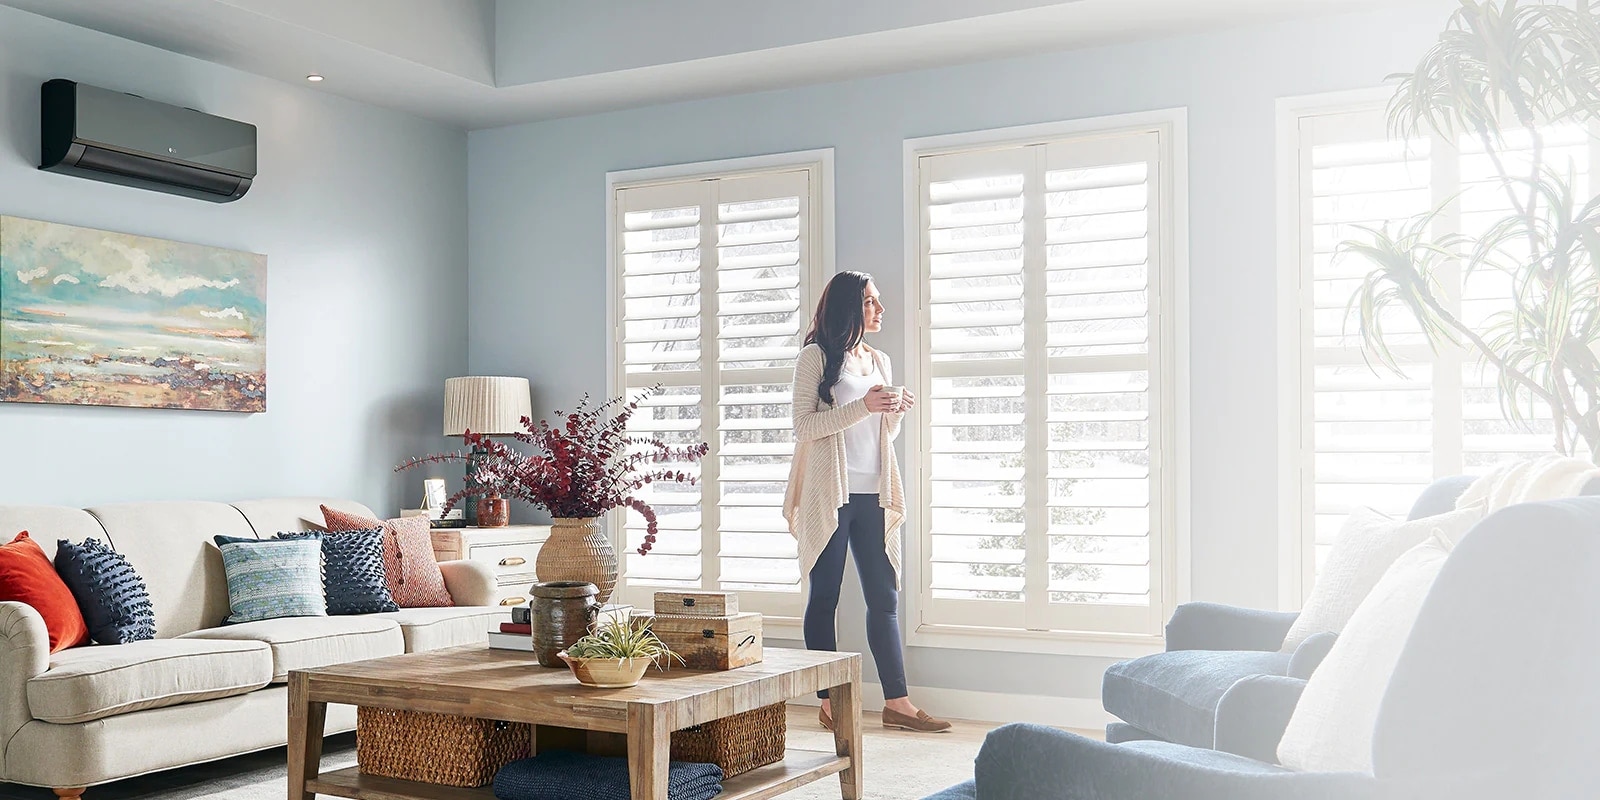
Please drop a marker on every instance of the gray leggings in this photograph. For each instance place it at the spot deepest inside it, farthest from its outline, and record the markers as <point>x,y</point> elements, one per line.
<point>861,528</point>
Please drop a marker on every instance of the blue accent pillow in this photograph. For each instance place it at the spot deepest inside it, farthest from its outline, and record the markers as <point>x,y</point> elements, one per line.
<point>272,578</point>
<point>352,570</point>
<point>113,598</point>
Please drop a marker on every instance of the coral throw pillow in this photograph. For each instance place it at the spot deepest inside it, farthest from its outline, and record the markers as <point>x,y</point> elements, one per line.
<point>27,576</point>
<point>408,564</point>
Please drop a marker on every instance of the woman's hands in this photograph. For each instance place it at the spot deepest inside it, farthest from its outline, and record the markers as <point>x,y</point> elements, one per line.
<point>885,400</point>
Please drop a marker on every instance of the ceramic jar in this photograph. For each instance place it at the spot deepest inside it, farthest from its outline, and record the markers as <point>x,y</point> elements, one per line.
<point>560,614</point>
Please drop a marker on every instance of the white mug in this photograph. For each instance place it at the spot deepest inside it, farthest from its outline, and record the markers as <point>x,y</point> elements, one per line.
<point>894,392</point>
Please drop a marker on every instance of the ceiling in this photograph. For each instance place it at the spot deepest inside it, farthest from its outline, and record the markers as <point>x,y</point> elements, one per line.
<point>485,63</point>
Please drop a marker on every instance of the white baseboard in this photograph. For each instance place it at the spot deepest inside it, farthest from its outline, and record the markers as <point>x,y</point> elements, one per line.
<point>1082,713</point>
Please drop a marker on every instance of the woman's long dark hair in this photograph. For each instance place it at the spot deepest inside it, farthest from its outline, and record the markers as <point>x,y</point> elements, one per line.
<point>838,325</point>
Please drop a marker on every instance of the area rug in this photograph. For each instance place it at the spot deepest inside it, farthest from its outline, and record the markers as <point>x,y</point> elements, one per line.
<point>899,766</point>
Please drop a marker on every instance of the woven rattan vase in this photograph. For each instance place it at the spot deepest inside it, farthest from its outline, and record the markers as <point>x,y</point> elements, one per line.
<point>578,550</point>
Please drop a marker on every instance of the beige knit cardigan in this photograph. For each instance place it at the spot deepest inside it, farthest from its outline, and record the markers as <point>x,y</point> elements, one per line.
<point>818,484</point>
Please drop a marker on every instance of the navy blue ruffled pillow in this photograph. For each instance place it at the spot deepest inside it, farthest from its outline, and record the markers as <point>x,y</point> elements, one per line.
<point>113,598</point>
<point>352,570</point>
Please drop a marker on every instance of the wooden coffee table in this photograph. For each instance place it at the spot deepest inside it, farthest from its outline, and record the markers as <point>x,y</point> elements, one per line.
<point>509,685</point>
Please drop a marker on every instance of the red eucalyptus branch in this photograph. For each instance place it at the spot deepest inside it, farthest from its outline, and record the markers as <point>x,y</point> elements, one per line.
<point>584,466</point>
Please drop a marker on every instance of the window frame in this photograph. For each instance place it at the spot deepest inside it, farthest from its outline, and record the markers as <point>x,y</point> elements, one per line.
<point>1295,445</point>
<point>1171,275</point>
<point>783,621</point>
<point>1296,387</point>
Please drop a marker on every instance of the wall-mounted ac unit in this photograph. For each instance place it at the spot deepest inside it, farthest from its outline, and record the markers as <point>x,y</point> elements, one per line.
<point>126,139</point>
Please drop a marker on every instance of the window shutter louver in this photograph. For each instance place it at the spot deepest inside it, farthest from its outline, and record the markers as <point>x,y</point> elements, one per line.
<point>718,273</point>
<point>1041,421</point>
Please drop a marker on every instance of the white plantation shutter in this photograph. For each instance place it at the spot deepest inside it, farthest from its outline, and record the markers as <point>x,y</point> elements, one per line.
<point>1041,266</point>
<point>1369,437</point>
<point>1372,431</point>
<point>717,275</point>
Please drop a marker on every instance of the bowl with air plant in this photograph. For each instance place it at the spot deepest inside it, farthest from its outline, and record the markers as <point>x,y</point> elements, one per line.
<point>616,654</point>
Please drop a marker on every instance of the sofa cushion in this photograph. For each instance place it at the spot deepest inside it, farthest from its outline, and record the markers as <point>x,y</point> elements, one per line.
<point>113,598</point>
<point>88,683</point>
<point>43,754</point>
<point>432,628</point>
<point>272,579</point>
<point>1174,695</point>
<point>1332,725</point>
<point>169,543</point>
<point>27,576</point>
<point>408,561</point>
<point>267,517</point>
<point>309,642</point>
<point>352,570</point>
<point>1368,543</point>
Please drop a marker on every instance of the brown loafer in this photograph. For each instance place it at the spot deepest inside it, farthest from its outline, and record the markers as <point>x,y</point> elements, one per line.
<point>822,717</point>
<point>922,722</point>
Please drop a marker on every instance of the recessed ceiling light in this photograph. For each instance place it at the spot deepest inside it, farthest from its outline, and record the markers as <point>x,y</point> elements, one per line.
<point>314,78</point>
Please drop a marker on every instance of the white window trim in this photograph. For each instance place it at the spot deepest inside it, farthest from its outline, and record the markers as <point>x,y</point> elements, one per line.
<point>1293,435</point>
<point>820,160</point>
<point>1177,576</point>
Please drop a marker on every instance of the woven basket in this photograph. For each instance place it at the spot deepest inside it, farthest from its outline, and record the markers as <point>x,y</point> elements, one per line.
<point>737,744</point>
<point>436,748</point>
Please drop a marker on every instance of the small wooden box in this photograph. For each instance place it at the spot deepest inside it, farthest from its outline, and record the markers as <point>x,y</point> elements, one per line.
<point>697,604</point>
<point>711,642</point>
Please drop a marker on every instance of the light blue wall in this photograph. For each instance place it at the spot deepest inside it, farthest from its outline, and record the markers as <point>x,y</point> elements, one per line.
<point>361,213</point>
<point>537,233</point>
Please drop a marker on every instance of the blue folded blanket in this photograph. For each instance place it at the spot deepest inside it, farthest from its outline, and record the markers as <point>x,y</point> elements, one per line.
<point>564,775</point>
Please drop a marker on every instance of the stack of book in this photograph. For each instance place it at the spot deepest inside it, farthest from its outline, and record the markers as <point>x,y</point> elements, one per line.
<point>518,635</point>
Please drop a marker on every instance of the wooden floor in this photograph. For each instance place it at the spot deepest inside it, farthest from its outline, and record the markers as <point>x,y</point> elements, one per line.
<point>805,718</point>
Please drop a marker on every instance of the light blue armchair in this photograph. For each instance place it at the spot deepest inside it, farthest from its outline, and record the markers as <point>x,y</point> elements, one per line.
<point>1495,696</point>
<point>1173,696</point>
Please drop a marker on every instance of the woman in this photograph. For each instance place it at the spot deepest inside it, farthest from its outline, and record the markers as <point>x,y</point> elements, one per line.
<point>844,484</point>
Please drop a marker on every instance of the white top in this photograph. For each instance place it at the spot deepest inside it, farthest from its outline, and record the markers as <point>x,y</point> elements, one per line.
<point>862,460</point>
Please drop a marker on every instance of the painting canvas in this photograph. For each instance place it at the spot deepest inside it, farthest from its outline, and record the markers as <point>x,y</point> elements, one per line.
<point>91,317</point>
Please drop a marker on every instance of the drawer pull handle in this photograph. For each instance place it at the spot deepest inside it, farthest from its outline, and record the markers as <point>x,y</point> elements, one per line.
<point>513,561</point>
<point>513,601</point>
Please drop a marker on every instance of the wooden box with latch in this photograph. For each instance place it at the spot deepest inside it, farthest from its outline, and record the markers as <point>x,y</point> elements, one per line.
<point>697,604</point>
<point>724,642</point>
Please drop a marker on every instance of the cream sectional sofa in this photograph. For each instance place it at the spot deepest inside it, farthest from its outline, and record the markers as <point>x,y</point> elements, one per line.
<point>200,691</point>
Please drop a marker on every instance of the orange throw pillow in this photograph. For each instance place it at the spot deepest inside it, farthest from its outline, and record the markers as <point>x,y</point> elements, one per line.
<point>27,576</point>
<point>409,567</point>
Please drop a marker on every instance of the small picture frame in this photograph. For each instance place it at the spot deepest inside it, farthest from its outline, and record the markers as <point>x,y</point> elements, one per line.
<point>433,493</point>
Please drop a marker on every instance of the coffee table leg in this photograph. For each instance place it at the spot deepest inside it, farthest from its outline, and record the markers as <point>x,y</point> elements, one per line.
<point>306,724</point>
<point>649,746</point>
<point>845,701</point>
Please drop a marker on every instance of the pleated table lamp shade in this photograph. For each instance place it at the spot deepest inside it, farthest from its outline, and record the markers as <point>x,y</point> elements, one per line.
<point>493,406</point>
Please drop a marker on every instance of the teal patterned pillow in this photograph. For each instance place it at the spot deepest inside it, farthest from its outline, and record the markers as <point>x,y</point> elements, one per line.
<point>273,578</point>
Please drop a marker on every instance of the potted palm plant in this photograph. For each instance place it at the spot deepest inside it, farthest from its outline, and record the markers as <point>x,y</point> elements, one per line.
<point>581,469</point>
<point>1499,76</point>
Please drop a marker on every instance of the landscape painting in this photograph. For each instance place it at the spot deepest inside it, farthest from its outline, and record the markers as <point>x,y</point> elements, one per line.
<point>90,317</point>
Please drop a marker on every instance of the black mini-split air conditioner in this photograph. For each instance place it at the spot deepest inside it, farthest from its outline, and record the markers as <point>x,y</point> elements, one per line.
<point>126,139</point>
